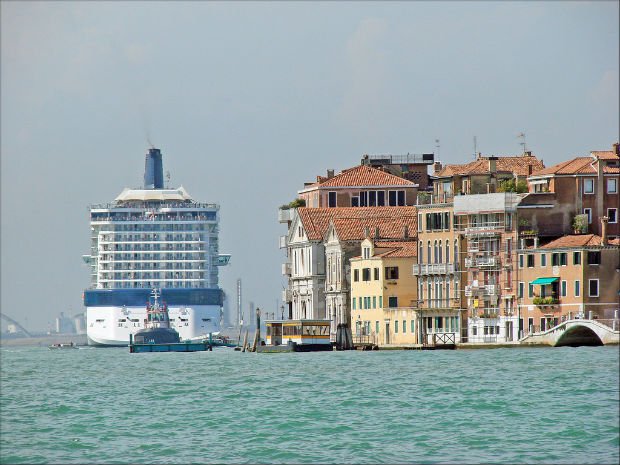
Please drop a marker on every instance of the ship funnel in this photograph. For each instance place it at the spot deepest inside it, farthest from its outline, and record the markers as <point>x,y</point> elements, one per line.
<point>153,170</point>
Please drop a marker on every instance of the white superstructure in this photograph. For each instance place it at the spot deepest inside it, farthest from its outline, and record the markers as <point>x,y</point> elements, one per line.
<point>153,238</point>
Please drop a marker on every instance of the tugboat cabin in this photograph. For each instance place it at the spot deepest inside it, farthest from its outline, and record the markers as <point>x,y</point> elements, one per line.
<point>303,334</point>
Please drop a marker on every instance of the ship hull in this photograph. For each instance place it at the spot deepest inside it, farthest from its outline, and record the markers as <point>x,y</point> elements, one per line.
<point>111,326</point>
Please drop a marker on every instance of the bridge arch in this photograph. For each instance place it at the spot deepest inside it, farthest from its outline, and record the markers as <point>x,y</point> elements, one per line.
<point>11,320</point>
<point>578,335</point>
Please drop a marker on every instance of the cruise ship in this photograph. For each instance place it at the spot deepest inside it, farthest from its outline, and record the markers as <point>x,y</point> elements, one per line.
<point>153,238</point>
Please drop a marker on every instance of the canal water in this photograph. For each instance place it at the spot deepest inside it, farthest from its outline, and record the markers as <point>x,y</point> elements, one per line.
<point>524,405</point>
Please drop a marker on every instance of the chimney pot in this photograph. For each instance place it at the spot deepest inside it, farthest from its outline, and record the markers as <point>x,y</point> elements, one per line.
<point>366,232</point>
<point>330,174</point>
<point>616,148</point>
<point>405,232</point>
<point>604,221</point>
<point>376,232</point>
<point>437,166</point>
<point>492,164</point>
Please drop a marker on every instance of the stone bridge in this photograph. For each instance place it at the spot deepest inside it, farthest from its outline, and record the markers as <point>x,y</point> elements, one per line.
<point>578,333</point>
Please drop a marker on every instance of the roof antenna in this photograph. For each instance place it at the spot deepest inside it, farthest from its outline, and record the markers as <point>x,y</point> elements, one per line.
<point>475,148</point>
<point>437,147</point>
<point>167,179</point>
<point>521,135</point>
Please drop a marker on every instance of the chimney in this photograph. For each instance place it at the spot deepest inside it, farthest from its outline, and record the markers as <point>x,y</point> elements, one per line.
<point>492,165</point>
<point>153,170</point>
<point>529,169</point>
<point>437,166</point>
<point>377,232</point>
<point>366,232</point>
<point>330,174</point>
<point>527,154</point>
<point>604,221</point>
<point>405,232</point>
<point>616,148</point>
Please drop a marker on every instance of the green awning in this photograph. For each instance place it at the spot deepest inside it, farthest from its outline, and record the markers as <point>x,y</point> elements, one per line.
<point>543,281</point>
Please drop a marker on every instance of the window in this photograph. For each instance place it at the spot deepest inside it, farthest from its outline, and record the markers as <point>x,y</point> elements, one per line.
<point>331,199</point>
<point>530,290</point>
<point>474,330</point>
<point>612,186</point>
<point>363,199</point>
<point>594,258</point>
<point>380,301</point>
<point>530,261</point>
<point>372,198</point>
<point>404,326</point>
<point>588,211</point>
<point>563,288</point>
<point>377,327</point>
<point>401,198</point>
<point>366,252</point>
<point>419,222</point>
<point>392,302</point>
<point>559,259</point>
<point>391,272</point>
<point>392,198</point>
<point>366,274</point>
<point>521,289</point>
<point>374,301</point>
<point>412,326</point>
<point>396,327</point>
<point>576,258</point>
<point>520,261</point>
<point>588,186</point>
<point>612,214</point>
<point>577,288</point>
<point>355,201</point>
<point>359,301</point>
<point>376,277</point>
<point>356,275</point>
<point>543,259</point>
<point>593,288</point>
<point>354,303</point>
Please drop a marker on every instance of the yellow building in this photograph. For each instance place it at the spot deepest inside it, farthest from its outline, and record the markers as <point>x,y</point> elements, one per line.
<point>384,293</point>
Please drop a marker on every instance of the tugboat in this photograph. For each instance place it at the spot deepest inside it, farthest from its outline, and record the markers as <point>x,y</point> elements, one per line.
<point>158,336</point>
<point>157,328</point>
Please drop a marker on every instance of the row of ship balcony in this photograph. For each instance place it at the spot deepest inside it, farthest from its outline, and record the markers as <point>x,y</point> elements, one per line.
<point>100,218</point>
<point>189,239</point>
<point>147,277</point>
<point>147,258</point>
<point>153,266</point>
<point>156,248</point>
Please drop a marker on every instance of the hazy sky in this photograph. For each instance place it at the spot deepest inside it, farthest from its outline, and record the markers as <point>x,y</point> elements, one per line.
<point>248,100</point>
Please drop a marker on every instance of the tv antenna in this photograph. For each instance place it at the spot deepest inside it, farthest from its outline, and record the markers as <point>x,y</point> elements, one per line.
<point>437,145</point>
<point>475,148</point>
<point>521,135</point>
<point>167,179</point>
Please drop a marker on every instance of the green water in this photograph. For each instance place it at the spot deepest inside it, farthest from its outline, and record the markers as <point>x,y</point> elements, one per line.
<point>526,405</point>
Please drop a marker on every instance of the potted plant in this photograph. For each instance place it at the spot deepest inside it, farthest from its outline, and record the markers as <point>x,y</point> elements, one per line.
<point>580,224</point>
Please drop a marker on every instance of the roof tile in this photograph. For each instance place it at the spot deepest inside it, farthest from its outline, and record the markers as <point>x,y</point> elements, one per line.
<point>362,176</point>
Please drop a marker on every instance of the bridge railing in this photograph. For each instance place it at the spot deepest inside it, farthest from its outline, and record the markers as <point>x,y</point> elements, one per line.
<point>613,323</point>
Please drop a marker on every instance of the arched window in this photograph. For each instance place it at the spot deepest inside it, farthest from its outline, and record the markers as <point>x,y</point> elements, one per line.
<point>447,251</point>
<point>421,253</point>
<point>440,252</point>
<point>429,287</point>
<point>456,252</point>
<point>436,254</point>
<point>429,252</point>
<point>447,292</point>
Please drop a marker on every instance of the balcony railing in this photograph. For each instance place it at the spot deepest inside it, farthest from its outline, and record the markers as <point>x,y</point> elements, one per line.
<point>285,215</point>
<point>445,303</point>
<point>433,268</point>
<point>430,199</point>
<point>482,289</point>
<point>493,227</point>
<point>286,269</point>
<point>487,261</point>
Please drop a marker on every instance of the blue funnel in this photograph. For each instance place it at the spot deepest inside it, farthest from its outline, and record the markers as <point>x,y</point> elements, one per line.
<point>153,170</point>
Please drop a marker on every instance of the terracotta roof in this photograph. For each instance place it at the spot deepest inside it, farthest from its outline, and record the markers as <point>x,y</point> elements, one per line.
<point>578,240</point>
<point>361,176</point>
<point>604,154</point>
<point>579,165</point>
<point>350,222</point>
<point>504,164</point>
<point>402,249</point>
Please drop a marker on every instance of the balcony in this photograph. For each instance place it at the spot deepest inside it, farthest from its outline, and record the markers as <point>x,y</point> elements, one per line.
<point>425,198</point>
<point>283,242</point>
<point>480,289</point>
<point>433,268</point>
<point>285,215</point>
<point>286,269</point>
<point>487,312</point>
<point>444,303</point>
<point>481,262</point>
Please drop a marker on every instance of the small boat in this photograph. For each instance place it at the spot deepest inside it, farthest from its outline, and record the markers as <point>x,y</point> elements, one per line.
<point>63,345</point>
<point>158,336</point>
